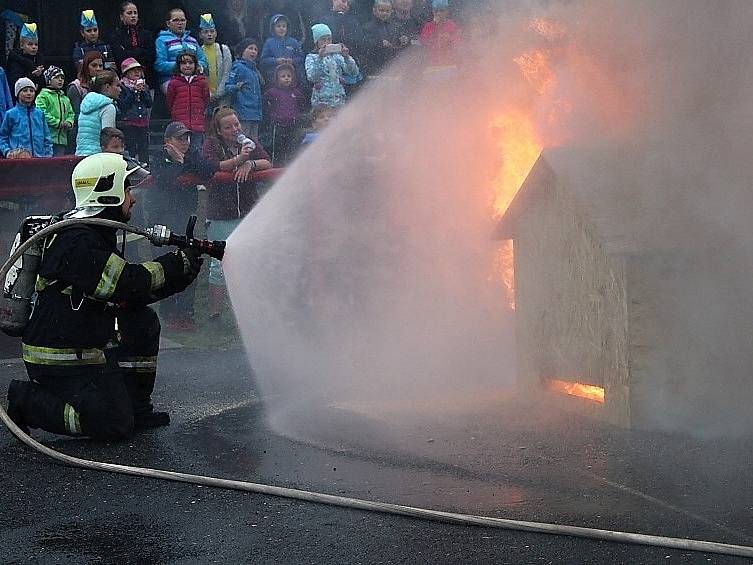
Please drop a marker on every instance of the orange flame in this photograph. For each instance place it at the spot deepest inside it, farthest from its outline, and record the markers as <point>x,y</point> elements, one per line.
<point>503,270</point>
<point>590,392</point>
<point>549,29</point>
<point>516,140</point>
<point>536,70</point>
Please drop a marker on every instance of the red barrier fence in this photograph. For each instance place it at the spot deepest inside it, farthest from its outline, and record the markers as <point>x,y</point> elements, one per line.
<point>51,178</point>
<point>36,177</point>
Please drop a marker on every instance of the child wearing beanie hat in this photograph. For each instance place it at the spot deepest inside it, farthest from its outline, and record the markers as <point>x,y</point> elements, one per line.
<point>90,41</point>
<point>22,83</point>
<point>328,68</point>
<point>57,109</point>
<point>24,131</point>
<point>320,30</point>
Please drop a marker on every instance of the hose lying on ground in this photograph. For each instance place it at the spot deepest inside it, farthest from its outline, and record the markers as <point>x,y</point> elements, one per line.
<point>409,511</point>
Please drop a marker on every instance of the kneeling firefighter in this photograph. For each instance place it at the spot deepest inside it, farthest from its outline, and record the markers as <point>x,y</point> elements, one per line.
<point>91,344</point>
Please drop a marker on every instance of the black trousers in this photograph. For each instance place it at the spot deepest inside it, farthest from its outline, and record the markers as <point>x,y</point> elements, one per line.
<point>100,401</point>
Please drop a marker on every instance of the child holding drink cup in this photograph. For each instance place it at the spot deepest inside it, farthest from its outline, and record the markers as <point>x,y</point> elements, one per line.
<point>134,103</point>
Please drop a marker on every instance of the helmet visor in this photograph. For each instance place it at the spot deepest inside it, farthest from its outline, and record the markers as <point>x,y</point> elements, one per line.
<point>135,174</point>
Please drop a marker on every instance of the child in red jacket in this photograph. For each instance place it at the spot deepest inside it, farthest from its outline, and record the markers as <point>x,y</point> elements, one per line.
<point>440,37</point>
<point>188,96</point>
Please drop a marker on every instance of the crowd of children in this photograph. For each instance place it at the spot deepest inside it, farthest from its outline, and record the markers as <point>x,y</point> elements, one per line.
<point>273,85</point>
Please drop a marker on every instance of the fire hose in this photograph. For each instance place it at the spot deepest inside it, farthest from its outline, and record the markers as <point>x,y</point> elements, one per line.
<point>160,238</point>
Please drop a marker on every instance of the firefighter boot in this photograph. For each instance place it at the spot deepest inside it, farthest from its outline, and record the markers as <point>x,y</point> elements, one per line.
<point>31,405</point>
<point>140,387</point>
<point>18,392</point>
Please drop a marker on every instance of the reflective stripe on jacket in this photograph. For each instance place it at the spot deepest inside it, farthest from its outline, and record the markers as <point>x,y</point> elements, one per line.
<point>62,355</point>
<point>81,278</point>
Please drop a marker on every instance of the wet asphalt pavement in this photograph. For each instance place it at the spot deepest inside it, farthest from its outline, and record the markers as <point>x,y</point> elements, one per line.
<point>480,457</point>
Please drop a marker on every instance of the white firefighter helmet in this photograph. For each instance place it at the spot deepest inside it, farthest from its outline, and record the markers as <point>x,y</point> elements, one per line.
<point>100,180</point>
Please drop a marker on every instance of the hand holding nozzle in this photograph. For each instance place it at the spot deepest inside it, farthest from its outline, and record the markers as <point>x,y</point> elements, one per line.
<point>161,235</point>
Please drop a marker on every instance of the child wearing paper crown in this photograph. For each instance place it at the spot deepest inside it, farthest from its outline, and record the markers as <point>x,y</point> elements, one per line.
<point>26,60</point>
<point>24,132</point>
<point>90,35</point>
<point>219,58</point>
<point>328,71</point>
<point>134,103</point>
<point>57,109</point>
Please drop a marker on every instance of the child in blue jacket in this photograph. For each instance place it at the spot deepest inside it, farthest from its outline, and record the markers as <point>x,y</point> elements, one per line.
<point>329,72</point>
<point>6,100</point>
<point>24,132</point>
<point>170,43</point>
<point>280,49</point>
<point>244,86</point>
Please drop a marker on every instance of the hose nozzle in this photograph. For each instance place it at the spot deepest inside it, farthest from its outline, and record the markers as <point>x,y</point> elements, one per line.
<point>161,235</point>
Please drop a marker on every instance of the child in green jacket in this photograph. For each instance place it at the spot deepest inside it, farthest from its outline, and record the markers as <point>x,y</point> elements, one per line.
<point>57,109</point>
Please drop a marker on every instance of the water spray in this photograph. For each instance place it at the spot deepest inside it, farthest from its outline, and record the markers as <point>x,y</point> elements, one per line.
<point>216,249</point>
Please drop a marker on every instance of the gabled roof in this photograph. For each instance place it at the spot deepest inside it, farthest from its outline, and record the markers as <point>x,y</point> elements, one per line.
<point>637,198</point>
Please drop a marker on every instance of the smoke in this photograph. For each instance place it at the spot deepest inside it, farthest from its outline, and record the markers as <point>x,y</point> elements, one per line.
<point>662,168</point>
<point>363,275</point>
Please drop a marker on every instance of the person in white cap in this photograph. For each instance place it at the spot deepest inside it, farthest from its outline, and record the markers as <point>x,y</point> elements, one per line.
<point>24,131</point>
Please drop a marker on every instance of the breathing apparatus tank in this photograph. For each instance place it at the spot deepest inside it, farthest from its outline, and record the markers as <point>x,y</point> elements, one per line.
<point>20,282</point>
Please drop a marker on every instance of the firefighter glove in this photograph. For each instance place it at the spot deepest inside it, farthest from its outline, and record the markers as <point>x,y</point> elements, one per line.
<point>192,262</point>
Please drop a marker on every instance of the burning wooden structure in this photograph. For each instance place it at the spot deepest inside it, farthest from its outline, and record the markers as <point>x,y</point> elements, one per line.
<point>633,304</point>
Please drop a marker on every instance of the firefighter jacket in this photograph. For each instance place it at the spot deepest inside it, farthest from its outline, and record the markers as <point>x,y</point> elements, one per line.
<point>83,280</point>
